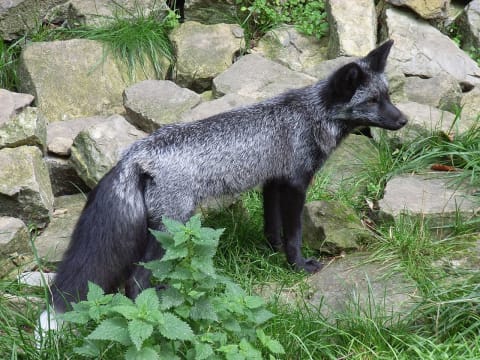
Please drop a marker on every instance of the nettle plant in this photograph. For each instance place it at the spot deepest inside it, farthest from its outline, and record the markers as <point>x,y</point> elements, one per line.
<point>198,315</point>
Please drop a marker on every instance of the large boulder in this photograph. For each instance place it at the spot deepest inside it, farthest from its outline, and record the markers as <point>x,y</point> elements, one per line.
<point>25,190</point>
<point>14,242</point>
<point>19,17</point>
<point>258,78</point>
<point>153,103</point>
<point>427,9</point>
<point>20,124</point>
<point>470,108</point>
<point>422,50</point>
<point>74,78</point>
<point>352,27</point>
<point>52,243</point>
<point>97,149</point>
<point>203,52</point>
<point>287,46</point>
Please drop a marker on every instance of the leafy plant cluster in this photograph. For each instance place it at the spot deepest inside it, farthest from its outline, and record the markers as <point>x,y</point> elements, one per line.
<point>199,315</point>
<point>308,16</point>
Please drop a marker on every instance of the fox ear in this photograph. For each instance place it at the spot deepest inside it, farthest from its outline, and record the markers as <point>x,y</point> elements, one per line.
<point>346,80</point>
<point>377,58</point>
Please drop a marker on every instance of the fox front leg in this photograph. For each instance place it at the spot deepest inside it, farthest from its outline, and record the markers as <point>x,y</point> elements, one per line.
<point>272,216</point>
<point>292,200</point>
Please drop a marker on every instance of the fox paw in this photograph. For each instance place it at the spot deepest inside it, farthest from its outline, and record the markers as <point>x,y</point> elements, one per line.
<point>312,266</point>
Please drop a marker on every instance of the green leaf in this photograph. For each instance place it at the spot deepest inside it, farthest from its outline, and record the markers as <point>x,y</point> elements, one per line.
<point>147,353</point>
<point>88,349</point>
<point>175,328</point>
<point>232,325</point>
<point>249,351</point>
<point>95,292</point>
<point>180,237</point>
<point>129,312</point>
<point>148,298</point>
<point>202,351</point>
<point>194,224</point>
<point>173,226</point>
<point>254,302</point>
<point>170,297</point>
<point>261,316</point>
<point>174,253</point>
<point>272,345</point>
<point>76,317</point>
<point>203,309</point>
<point>114,329</point>
<point>139,331</point>
<point>160,268</point>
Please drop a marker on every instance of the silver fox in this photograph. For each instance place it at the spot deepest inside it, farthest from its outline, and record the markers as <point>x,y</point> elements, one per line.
<point>279,143</point>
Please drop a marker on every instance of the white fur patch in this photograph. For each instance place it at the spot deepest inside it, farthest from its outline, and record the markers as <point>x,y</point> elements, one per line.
<point>46,322</point>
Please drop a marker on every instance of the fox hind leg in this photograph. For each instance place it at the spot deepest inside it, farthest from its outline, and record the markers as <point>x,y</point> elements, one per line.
<point>272,216</point>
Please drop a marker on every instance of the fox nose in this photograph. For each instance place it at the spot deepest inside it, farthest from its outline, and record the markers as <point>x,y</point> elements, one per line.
<point>402,120</point>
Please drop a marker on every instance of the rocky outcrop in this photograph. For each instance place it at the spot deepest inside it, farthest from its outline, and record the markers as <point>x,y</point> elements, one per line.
<point>203,52</point>
<point>469,24</point>
<point>97,149</point>
<point>25,189</point>
<point>153,103</point>
<point>352,27</point>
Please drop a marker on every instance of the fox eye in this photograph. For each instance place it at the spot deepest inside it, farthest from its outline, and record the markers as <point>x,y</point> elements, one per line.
<point>372,101</point>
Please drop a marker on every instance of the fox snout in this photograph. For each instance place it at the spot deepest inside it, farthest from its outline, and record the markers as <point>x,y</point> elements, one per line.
<point>394,118</point>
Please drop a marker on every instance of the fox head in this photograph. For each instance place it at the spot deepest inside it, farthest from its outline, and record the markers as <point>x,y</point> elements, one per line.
<point>359,93</point>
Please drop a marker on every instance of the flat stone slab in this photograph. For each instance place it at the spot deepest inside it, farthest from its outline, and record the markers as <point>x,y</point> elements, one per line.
<point>430,196</point>
<point>11,104</point>
<point>52,243</point>
<point>14,242</point>
<point>352,282</point>
<point>258,78</point>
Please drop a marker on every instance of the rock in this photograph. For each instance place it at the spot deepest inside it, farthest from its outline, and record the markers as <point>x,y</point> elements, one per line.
<point>258,78</point>
<point>427,9</point>
<point>217,106</point>
<point>18,17</point>
<point>442,92</point>
<point>352,27</point>
<point>428,197</point>
<point>332,228</point>
<point>14,242</point>
<point>210,11</point>
<point>25,128</point>
<point>349,160</point>
<point>323,69</point>
<point>469,25</point>
<point>25,190</point>
<point>470,108</point>
<point>36,278</point>
<point>100,12</point>
<point>203,52</point>
<point>64,178</point>
<point>352,282</point>
<point>153,103</point>
<point>421,50</point>
<point>52,243</point>
<point>69,79</point>
<point>97,149</point>
<point>12,103</point>
<point>292,49</point>
<point>422,121</point>
<point>60,134</point>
